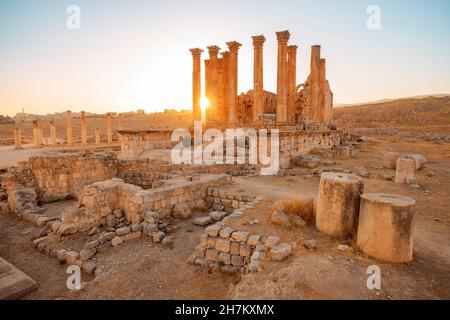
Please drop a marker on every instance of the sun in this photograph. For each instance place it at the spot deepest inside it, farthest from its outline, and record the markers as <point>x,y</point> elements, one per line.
<point>204,104</point>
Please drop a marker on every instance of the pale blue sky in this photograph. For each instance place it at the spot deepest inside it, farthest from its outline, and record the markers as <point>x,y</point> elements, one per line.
<point>134,54</point>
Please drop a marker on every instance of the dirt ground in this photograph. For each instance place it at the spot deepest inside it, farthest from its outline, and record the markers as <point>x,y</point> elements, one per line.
<point>140,269</point>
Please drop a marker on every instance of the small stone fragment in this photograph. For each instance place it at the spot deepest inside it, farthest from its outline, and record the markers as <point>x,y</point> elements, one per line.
<point>202,221</point>
<point>158,236</point>
<point>123,231</point>
<point>280,252</point>
<point>271,242</point>
<point>116,241</point>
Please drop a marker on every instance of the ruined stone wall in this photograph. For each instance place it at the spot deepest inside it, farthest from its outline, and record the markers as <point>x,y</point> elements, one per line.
<point>300,143</point>
<point>227,201</point>
<point>231,250</point>
<point>135,143</point>
<point>235,170</point>
<point>145,172</point>
<point>102,198</point>
<point>20,188</point>
<point>61,176</point>
<point>228,248</point>
<point>246,102</point>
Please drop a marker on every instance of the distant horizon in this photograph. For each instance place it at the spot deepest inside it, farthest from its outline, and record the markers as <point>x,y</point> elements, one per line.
<point>135,55</point>
<point>340,105</point>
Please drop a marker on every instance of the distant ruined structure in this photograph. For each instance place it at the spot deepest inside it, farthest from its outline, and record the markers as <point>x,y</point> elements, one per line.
<point>299,105</point>
<point>301,112</point>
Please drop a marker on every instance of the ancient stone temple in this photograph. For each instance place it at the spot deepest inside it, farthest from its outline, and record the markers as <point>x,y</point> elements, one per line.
<point>294,104</point>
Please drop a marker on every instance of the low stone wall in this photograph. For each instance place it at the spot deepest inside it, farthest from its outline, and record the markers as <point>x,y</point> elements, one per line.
<point>302,142</point>
<point>231,250</point>
<point>63,175</point>
<point>134,143</point>
<point>234,170</point>
<point>144,172</point>
<point>102,198</point>
<point>226,201</point>
<point>57,177</point>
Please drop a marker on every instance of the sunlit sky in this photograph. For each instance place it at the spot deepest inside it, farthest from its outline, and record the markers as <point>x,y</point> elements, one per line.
<point>135,54</point>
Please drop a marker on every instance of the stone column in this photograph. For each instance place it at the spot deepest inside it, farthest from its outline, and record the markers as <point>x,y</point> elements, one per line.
<point>120,127</point>
<point>283,38</point>
<point>386,227</point>
<point>314,83</point>
<point>83,128</point>
<point>97,135</point>
<point>196,84</point>
<point>404,172</point>
<point>226,86</point>
<point>35,133</point>
<point>292,80</point>
<point>322,91</point>
<point>258,81</point>
<point>233,47</point>
<point>214,81</point>
<point>17,139</point>
<point>52,133</point>
<point>109,133</point>
<point>69,127</point>
<point>41,135</point>
<point>390,160</point>
<point>338,204</point>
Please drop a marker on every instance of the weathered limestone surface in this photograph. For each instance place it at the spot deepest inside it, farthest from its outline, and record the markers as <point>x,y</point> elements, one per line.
<point>233,47</point>
<point>134,143</point>
<point>291,83</point>
<point>386,227</point>
<point>390,160</point>
<point>258,79</point>
<point>302,142</point>
<point>52,133</point>
<point>109,129</point>
<point>20,188</point>
<point>17,139</point>
<point>232,250</point>
<point>101,199</point>
<point>55,177</point>
<point>14,284</point>
<point>338,204</point>
<point>196,83</point>
<point>212,89</point>
<point>419,160</point>
<point>36,134</point>
<point>97,136</point>
<point>83,128</point>
<point>69,127</point>
<point>404,170</point>
<point>282,90</point>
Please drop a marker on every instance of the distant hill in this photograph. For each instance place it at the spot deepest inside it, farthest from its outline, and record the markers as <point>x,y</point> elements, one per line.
<point>422,114</point>
<point>345,105</point>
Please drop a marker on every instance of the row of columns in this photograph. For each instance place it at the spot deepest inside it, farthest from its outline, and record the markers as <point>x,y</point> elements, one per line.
<point>221,82</point>
<point>40,140</point>
<point>319,107</point>
<point>286,79</point>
